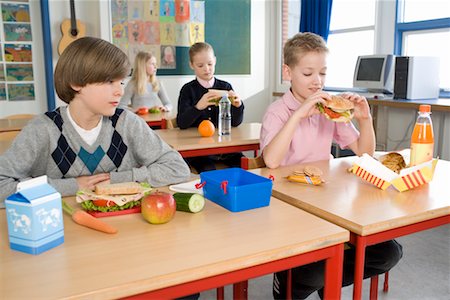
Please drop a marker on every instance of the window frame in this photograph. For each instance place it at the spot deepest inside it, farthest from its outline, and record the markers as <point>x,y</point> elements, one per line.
<point>424,25</point>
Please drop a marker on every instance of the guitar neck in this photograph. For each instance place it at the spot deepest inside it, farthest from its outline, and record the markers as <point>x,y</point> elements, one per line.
<point>73,19</point>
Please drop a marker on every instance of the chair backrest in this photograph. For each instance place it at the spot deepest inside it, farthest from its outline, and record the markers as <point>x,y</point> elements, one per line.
<point>171,123</point>
<point>8,135</point>
<point>248,163</point>
<point>20,116</point>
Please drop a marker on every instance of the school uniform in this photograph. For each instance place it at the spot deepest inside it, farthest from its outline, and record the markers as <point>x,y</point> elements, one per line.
<point>189,116</point>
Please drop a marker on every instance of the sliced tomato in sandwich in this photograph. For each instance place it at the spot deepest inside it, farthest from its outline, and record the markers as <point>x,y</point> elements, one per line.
<point>331,113</point>
<point>103,203</point>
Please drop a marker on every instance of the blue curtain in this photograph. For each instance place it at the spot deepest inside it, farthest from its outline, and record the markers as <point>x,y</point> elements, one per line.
<point>315,16</point>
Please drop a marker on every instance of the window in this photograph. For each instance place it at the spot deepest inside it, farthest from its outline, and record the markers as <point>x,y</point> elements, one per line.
<point>423,29</point>
<point>352,33</point>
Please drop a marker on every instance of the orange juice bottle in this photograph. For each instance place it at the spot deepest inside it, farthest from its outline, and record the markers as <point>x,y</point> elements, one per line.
<point>422,139</point>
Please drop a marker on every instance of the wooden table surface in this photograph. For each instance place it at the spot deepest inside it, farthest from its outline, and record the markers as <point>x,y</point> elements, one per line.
<point>4,145</point>
<point>345,199</point>
<point>144,257</point>
<point>189,139</point>
<point>12,124</point>
<point>370,214</point>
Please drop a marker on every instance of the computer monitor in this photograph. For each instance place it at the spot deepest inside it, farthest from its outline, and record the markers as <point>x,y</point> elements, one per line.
<point>375,73</point>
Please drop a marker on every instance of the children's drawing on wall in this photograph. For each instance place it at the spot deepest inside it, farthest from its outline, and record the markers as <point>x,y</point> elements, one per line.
<point>182,35</point>
<point>119,10</point>
<point>120,33</point>
<point>17,92</point>
<point>18,53</point>
<point>151,8</point>
<point>136,24</point>
<point>15,12</point>
<point>135,10</point>
<point>17,32</point>
<point>182,10</point>
<point>19,72</point>
<point>167,33</point>
<point>134,49</point>
<point>197,33</point>
<point>2,91</point>
<point>2,72</point>
<point>167,8</point>
<point>198,12</point>
<point>136,32</point>
<point>151,33</point>
<point>168,59</point>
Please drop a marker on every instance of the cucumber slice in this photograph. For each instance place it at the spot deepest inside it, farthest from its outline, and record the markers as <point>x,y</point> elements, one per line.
<point>189,202</point>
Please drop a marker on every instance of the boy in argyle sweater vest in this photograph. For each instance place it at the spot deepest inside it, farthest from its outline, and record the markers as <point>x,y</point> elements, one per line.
<point>90,140</point>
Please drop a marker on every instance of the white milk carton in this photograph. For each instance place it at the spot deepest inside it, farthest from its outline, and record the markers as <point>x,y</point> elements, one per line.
<point>34,216</point>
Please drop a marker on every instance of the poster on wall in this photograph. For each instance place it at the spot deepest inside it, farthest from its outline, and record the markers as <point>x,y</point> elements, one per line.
<point>167,28</point>
<point>157,26</point>
<point>16,53</point>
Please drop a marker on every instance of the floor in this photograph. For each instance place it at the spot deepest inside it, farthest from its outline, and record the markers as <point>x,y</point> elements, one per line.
<point>423,273</point>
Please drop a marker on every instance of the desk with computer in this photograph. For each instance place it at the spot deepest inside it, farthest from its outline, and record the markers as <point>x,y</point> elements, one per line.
<point>403,82</point>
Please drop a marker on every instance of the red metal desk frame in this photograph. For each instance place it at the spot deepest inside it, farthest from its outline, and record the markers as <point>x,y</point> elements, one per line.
<point>161,123</point>
<point>361,242</point>
<point>332,255</point>
<point>219,150</point>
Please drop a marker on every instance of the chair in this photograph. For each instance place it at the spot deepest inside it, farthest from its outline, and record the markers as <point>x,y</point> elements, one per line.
<point>20,116</point>
<point>171,123</point>
<point>248,163</point>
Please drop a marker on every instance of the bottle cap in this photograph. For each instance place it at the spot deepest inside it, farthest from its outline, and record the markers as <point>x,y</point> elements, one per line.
<point>425,108</point>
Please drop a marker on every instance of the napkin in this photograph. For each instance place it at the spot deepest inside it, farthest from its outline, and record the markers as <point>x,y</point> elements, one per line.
<point>187,187</point>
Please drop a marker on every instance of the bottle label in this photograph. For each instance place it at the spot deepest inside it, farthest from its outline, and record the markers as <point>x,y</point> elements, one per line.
<point>421,153</point>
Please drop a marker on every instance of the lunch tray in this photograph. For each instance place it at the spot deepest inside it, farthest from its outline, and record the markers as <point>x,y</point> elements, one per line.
<point>100,214</point>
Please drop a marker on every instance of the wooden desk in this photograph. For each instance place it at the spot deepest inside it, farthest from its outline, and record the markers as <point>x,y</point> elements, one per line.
<point>191,253</point>
<point>4,145</point>
<point>158,119</point>
<point>371,215</point>
<point>12,124</point>
<point>441,105</point>
<point>189,143</point>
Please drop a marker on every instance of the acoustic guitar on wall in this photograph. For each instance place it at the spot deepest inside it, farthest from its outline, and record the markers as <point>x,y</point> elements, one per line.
<point>71,29</point>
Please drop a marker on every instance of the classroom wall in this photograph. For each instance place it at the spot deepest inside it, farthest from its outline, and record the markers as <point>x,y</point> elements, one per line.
<point>256,89</point>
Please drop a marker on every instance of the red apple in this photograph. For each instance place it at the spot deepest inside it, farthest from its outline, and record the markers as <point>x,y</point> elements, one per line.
<point>158,207</point>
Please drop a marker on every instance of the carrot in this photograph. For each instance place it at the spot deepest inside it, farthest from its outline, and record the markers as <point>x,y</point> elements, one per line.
<point>83,218</point>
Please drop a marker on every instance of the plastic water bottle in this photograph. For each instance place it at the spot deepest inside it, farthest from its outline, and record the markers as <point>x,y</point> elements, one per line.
<point>224,116</point>
<point>422,139</point>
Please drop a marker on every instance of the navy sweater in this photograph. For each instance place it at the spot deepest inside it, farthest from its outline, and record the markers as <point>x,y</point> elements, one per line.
<point>190,94</point>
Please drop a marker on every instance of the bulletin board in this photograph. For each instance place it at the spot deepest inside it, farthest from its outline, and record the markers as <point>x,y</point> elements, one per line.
<point>16,59</point>
<point>150,25</point>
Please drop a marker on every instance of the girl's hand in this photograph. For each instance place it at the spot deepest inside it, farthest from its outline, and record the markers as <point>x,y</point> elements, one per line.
<point>89,182</point>
<point>162,108</point>
<point>207,100</point>
<point>309,107</point>
<point>235,99</point>
<point>362,109</point>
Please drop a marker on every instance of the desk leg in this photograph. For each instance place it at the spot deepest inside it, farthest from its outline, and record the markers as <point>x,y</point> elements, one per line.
<point>360,246</point>
<point>440,143</point>
<point>240,290</point>
<point>333,274</point>
<point>220,293</point>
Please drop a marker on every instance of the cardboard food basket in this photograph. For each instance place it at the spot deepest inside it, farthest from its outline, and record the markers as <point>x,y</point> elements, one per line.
<point>236,189</point>
<point>374,172</point>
